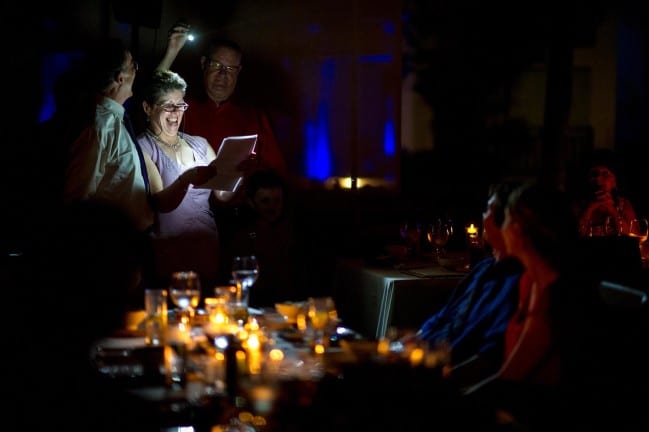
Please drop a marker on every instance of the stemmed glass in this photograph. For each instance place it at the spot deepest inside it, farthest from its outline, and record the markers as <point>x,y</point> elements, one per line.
<point>185,292</point>
<point>410,232</point>
<point>437,234</point>
<point>245,271</point>
<point>639,228</point>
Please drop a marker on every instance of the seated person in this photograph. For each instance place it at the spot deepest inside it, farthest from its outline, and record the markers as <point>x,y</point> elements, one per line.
<point>474,319</point>
<point>602,214</point>
<point>548,333</point>
<point>267,230</point>
<point>600,208</point>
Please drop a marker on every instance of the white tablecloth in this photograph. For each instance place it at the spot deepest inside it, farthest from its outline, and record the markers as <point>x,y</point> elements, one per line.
<point>372,299</point>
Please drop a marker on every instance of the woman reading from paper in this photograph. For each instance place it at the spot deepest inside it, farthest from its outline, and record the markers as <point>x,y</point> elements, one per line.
<point>186,238</point>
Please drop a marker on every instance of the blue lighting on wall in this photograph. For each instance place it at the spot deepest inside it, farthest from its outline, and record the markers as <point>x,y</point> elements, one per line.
<point>318,147</point>
<point>389,27</point>
<point>53,66</point>
<point>375,58</point>
<point>318,153</point>
<point>389,141</point>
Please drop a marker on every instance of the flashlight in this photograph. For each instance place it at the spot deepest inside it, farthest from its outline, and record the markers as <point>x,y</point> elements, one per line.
<point>185,27</point>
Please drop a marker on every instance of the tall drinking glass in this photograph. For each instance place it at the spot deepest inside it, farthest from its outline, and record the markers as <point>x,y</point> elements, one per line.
<point>155,305</point>
<point>245,271</point>
<point>185,292</point>
<point>321,311</point>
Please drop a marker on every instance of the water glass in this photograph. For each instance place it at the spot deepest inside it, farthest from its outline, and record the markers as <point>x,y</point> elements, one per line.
<point>155,305</point>
<point>185,292</point>
<point>178,339</point>
<point>245,270</point>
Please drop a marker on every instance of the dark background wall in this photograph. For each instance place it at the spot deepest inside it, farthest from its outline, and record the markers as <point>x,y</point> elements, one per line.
<point>340,65</point>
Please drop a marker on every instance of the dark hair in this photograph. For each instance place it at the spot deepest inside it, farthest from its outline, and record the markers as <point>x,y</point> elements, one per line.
<point>501,192</point>
<point>545,214</point>
<point>603,157</point>
<point>264,179</point>
<point>103,62</point>
<point>161,83</point>
<point>219,41</point>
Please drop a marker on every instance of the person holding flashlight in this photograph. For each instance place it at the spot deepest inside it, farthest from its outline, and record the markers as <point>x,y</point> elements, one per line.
<point>217,113</point>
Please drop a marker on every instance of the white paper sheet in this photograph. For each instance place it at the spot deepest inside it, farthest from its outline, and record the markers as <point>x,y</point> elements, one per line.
<point>233,150</point>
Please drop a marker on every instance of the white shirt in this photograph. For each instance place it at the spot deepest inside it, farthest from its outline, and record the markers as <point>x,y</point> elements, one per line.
<point>104,165</point>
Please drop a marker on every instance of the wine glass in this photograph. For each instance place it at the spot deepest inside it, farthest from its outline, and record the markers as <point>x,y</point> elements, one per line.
<point>410,232</point>
<point>639,229</point>
<point>245,271</point>
<point>185,292</point>
<point>437,234</point>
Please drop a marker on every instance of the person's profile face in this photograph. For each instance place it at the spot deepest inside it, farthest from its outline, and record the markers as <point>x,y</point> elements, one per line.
<point>128,72</point>
<point>492,233</point>
<point>220,73</point>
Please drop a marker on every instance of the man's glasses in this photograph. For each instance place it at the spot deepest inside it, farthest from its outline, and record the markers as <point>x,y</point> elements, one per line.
<point>214,65</point>
<point>169,107</point>
<point>134,66</point>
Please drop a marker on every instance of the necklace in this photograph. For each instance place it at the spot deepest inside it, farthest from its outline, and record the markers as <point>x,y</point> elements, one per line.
<point>174,147</point>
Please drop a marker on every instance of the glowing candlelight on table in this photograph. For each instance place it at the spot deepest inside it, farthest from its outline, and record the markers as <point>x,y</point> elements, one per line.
<point>383,347</point>
<point>472,234</point>
<point>416,356</point>
<point>301,321</point>
<point>275,358</point>
<point>253,347</point>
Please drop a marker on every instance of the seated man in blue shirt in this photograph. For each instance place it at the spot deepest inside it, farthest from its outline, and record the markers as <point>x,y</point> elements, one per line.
<point>474,319</point>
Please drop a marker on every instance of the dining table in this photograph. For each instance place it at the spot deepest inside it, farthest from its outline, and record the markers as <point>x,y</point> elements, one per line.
<point>375,297</point>
<point>303,389</point>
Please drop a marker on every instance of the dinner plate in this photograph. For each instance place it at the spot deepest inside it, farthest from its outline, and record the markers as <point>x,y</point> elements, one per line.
<point>121,342</point>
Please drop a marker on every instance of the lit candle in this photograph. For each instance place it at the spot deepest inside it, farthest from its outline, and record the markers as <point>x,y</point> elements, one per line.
<point>383,347</point>
<point>253,348</point>
<point>275,358</point>
<point>472,231</point>
<point>416,356</point>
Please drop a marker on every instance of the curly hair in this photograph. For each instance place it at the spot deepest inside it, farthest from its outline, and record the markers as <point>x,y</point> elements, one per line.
<point>161,83</point>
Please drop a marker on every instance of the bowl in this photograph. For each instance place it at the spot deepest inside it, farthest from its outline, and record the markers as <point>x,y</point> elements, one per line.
<point>289,309</point>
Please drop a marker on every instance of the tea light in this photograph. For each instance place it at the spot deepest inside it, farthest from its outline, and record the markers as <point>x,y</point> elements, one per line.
<point>275,358</point>
<point>383,347</point>
<point>472,231</point>
<point>416,356</point>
